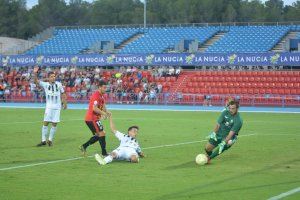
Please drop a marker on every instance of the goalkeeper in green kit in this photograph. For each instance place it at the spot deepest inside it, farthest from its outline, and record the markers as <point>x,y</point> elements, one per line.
<point>225,132</point>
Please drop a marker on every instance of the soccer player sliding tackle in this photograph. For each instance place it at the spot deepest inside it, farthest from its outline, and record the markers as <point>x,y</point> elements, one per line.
<point>129,148</point>
<point>225,132</point>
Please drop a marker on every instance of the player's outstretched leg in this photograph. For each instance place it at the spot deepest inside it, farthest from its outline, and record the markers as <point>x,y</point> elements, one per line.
<point>106,160</point>
<point>103,161</point>
<point>215,152</point>
<point>91,141</point>
<point>100,159</point>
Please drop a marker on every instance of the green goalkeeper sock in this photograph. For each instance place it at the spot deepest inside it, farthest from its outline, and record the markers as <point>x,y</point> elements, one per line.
<point>215,152</point>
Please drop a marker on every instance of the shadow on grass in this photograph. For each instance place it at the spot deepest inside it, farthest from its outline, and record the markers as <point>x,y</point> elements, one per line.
<point>198,190</point>
<point>190,164</point>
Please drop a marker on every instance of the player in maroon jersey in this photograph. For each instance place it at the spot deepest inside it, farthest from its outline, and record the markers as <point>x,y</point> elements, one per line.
<point>95,113</point>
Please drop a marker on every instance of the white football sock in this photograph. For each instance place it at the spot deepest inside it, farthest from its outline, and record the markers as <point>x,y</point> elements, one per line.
<point>52,133</point>
<point>108,159</point>
<point>44,133</point>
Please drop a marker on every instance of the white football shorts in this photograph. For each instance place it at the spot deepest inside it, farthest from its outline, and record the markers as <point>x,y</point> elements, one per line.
<point>52,115</point>
<point>124,153</point>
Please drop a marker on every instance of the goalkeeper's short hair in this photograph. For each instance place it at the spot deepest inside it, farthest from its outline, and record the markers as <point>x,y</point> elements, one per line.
<point>234,102</point>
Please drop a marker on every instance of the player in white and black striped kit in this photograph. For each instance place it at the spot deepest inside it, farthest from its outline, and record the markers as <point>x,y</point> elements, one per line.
<point>129,149</point>
<point>55,99</point>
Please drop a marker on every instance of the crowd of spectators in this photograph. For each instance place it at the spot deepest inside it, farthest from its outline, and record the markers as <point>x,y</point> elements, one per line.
<point>125,84</point>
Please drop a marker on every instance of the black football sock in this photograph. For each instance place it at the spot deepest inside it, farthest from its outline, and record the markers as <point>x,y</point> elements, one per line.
<point>102,143</point>
<point>91,141</point>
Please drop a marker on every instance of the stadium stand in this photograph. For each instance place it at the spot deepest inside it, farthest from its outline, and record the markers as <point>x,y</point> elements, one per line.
<point>162,85</point>
<point>153,42</point>
<point>242,39</point>
<point>261,87</point>
<point>73,41</point>
<point>249,39</point>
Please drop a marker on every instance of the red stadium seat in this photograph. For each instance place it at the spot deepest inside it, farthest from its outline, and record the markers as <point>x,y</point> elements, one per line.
<point>191,90</point>
<point>185,90</point>
<point>173,79</point>
<point>195,84</point>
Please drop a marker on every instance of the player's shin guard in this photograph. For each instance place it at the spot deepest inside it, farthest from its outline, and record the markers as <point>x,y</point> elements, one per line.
<point>92,140</point>
<point>44,133</point>
<point>52,133</point>
<point>102,143</point>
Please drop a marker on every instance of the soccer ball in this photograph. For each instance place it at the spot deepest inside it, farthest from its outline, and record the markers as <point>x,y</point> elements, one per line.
<point>201,159</point>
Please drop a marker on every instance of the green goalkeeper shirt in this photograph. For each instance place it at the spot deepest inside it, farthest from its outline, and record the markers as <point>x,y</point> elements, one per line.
<point>229,123</point>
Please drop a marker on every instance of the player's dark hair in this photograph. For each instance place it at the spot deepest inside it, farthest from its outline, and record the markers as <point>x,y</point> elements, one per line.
<point>234,102</point>
<point>50,73</point>
<point>101,83</point>
<point>132,127</point>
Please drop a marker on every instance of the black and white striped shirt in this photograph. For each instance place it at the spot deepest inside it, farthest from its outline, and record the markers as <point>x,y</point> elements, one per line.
<point>53,94</point>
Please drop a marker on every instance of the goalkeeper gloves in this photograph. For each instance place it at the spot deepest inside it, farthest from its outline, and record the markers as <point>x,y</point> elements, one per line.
<point>221,146</point>
<point>213,136</point>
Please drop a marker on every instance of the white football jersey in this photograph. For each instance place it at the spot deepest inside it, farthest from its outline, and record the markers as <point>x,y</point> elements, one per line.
<point>127,141</point>
<point>53,94</point>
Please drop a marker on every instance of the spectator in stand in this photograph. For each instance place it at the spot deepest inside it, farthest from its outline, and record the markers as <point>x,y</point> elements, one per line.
<point>179,96</point>
<point>146,96</point>
<point>159,88</point>
<point>34,91</point>
<point>63,70</point>
<point>152,95</point>
<point>164,71</point>
<point>154,72</point>
<point>139,75</point>
<point>140,96</point>
<point>207,100</point>
<point>2,88</point>
<point>74,78</point>
<point>160,71</point>
<point>7,93</point>
<point>83,92</point>
<point>128,71</point>
<point>78,81</point>
<point>23,91</point>
<point>131,96</point>
<point>94,86</point>
<point>119,94</point>
<point>124,94</point>
<point>145,86</point>
<point>177,71</point>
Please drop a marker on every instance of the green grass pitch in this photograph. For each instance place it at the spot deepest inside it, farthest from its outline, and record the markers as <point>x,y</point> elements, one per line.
<point>263,163</point>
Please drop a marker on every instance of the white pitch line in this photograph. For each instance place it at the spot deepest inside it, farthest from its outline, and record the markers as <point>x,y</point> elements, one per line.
<point>43,163</point>
<point>285,194</point>
<point>69,120</point>
<point>77,158</point>
<point>41,121</point>
<point>163,109</point>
